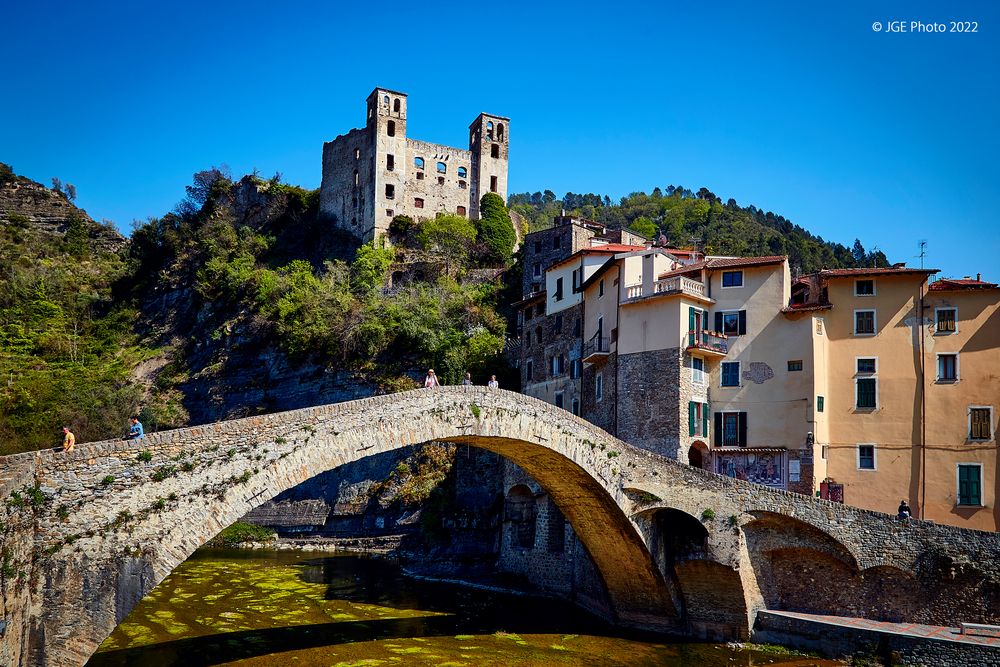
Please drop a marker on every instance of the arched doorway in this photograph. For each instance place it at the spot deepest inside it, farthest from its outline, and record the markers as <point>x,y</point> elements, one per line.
<point>698,455</point>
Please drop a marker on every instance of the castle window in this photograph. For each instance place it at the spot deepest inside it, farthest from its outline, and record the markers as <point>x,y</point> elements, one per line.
<point>493,183</point>
<point>354,221</point>
<point>500,131</point>
<point>390,191</point>
<point>418,203</point>
<point>494,150</point>
<point>390,128</point>
<point>357,181</point>
<point>388,212</point>
<point>390,162</point>
<point>442,168</point>
<point>420,175</point>
<point>385,100</point>
<point>461,185</point>
<point>489,129</point>
<point>461,210</point>
<point>418,162</point>
<point>462,172</point>
<point>440,180</point>
<point>395,105</point>
<point>354,202</point>
<point>357,153</point>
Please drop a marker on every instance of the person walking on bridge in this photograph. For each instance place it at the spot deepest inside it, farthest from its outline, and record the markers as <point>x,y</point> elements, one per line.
<point>493,384</point>
<point>431,380</point>
<point>135,432</point>
<point>467,382</point>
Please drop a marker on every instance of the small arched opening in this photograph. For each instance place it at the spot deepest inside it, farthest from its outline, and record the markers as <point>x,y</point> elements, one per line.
<point>395,105</point>
<point>500,131</point>
<point>520,514</point>
<point>698,455</point>
<point>390,128</point>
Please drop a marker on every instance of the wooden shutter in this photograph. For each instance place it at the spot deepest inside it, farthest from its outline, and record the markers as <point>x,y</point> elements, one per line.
<point>742,426</point>
<point>717,440</point>
<point>692,337</point>
<point>743,322</point>
<point>692,418</point>
<point>704,420</point>
<point>718,323</point>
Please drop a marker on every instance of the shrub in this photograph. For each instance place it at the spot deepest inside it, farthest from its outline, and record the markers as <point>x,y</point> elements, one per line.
<point>368,271</point>
<point>145,456</point>
<point>108,480</point>
<point>708,515</point>
<point>241,532</point>
<point>401,225</point>
<point>450,235</point>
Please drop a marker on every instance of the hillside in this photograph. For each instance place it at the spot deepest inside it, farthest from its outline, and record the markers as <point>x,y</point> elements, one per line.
<point>688,219</point>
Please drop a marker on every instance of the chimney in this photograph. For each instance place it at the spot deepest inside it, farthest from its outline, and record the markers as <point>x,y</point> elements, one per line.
<point>979,277</point>
<point>899,265</point>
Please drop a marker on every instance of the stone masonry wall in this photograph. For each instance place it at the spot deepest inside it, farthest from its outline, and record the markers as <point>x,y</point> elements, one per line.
<point>648,382</point>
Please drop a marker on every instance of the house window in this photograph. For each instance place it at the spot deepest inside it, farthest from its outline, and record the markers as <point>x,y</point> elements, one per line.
<point>730,373</point>
<point>556,242</point>
<point>559,399</point>
<point>536,270</point>
<point>820,402</point>
<point>730,429</point>
<point>697,370</point>
<point>970,484</point>
<point>528,371</point>
<point>463,172</point>
<point>981,423</point>
<point>461,211</point>
<point>442,168</point>
<point>576,327</point>
<point>947,367</point>
<point>527,338</point>
<point>599,387</point>
<point>558,325</point>
<point>864,288</point>
<point>493,183</point>
<point>946,320</point>
<point>600,289</point>
<point>697,419</point>
<point>864,322</point>
<point>576,369</point>
<point>390,191</point>
<point>418,203</point>
<point>390,162</point>
<point>390,128</point>
<point>538,246</point>
<point>866,457</point>
<point>795,365</point>
<point>538,334</point>
<point>866,384</point>
<point>576,406</point>
<point>462,185</point>
<point>731,323</point>
<point>559,289</point>
<point>418,162</point>
<point>494,151</point>
<point>732,279</point>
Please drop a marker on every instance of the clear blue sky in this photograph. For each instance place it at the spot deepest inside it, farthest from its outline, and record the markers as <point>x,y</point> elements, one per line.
<point>796,107</point>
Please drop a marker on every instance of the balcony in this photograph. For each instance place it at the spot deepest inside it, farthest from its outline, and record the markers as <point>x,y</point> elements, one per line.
<point>708,342</point>
<point>596,349</point>
<point>675,285</point>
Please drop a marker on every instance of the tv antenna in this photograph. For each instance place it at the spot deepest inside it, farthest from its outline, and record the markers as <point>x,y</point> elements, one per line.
<point>922,244</point>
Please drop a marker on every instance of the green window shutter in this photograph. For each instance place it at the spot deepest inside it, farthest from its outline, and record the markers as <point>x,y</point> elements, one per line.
<point>704,420</point>
<point>692,338</point>
<point>691,418</point>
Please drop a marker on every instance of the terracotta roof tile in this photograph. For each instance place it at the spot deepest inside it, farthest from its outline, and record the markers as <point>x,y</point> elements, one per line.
<point>724,263</point>
<point>959,284</point>
<point>884,271</point>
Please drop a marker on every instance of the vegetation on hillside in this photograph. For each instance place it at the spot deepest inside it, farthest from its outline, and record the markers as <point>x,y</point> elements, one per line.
<point>699,219</point>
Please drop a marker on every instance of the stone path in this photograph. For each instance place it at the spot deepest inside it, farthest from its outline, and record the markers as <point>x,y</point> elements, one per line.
<point>903,629</point>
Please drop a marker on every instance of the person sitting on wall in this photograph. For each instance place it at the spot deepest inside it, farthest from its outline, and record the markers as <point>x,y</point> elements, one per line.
<point>904,510</point>
<point>135,432</point>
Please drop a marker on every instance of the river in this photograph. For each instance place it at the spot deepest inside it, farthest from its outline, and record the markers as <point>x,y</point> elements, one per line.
<point>281,608</point>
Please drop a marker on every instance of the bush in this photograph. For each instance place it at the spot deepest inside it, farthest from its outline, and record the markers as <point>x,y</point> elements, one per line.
<point>241,532</point>
<point>401,225</point>
<point>450,235</point>
<point>370,266</point>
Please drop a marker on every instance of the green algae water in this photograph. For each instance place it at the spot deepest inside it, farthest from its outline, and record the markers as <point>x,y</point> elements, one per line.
<point>267,609</point>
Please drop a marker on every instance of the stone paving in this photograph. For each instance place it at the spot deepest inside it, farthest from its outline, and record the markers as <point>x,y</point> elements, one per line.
<point>915,630</point>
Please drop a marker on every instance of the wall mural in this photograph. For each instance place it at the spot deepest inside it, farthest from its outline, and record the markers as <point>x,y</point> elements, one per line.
<point>758,467</point>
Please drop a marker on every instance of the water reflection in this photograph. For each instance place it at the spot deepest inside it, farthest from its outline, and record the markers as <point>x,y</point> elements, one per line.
<point>284,608</point>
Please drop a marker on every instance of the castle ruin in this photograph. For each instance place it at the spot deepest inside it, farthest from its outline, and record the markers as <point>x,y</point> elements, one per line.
<point>375,173</point>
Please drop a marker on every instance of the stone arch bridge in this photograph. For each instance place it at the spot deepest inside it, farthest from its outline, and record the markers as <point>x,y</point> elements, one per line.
<point>86,535</point>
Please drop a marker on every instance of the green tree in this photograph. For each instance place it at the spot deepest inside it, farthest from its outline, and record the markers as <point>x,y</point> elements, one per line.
<point>644,226</point>
<point>496,231</point>
<point>370,266</point>
<point>450,235</point>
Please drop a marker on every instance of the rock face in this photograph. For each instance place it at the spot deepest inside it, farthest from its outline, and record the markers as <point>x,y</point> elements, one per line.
<point>23,200</point>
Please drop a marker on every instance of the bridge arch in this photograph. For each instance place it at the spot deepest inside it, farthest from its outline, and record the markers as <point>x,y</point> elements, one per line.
<point>193,482</point>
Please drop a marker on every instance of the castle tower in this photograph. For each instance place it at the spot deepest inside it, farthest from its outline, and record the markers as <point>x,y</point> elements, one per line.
<point>386,127</point>
<point>488,143</point>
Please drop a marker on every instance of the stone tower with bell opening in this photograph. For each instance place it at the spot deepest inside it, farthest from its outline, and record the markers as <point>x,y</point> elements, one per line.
<point>372,174</point>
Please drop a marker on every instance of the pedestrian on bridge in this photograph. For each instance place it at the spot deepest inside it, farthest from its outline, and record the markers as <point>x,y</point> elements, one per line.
<point>904,510</point>
<point>69,440</point>
<point>467,381</point>
<point>431,380</point>
<point>493,384</point>
<point>135,432</point>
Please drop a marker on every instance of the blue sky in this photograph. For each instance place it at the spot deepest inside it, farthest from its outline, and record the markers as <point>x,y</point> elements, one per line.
<point>797,108</point>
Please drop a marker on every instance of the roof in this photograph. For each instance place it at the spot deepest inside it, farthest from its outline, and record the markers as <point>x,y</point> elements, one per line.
<point>883,271</point>
<point>530,298</point>
<point>960,284</point>
<point>713,263</point>
<point>601,270</point>
<point>606,249</point>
